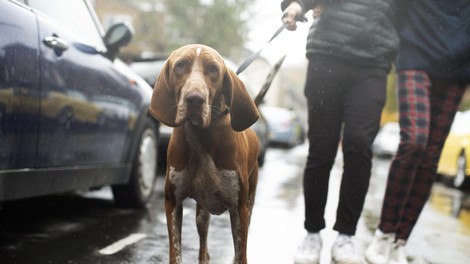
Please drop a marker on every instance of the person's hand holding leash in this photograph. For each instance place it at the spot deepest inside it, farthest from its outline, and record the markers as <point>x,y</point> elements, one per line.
<point>318,10</point>
<point>291,13</point>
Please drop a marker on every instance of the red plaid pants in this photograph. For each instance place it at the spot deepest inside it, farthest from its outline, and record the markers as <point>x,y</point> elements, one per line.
<point>427,108</point>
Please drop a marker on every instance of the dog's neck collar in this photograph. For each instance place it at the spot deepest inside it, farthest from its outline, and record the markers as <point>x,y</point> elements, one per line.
<point>221,114</point>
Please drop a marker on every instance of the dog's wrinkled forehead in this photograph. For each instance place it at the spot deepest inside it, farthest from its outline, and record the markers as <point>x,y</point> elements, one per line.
<point>201,57</point>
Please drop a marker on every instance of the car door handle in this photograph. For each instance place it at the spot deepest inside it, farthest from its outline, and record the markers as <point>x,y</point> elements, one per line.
<point>56,43</point>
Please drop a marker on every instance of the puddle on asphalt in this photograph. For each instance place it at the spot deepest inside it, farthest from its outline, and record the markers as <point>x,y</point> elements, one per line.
<point>452,203</point>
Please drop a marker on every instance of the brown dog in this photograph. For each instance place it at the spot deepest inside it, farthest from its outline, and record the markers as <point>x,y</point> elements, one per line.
<point>212,155</point>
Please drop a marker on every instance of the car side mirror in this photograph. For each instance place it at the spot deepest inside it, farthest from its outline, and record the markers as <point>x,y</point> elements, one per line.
<point>117,36</point>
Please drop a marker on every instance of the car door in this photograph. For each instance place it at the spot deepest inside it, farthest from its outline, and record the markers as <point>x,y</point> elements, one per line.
<point>19,87</point>
<point>85,102</point>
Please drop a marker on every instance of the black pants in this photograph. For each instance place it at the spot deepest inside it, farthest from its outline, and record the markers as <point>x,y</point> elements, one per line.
<point>342,97</point>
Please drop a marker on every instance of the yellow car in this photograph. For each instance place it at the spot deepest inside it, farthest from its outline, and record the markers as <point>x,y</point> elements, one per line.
<point>454,164</point>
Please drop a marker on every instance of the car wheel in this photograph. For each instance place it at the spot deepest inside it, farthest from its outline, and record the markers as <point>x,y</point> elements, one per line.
<point>461,181</point>
<point>139,190</point>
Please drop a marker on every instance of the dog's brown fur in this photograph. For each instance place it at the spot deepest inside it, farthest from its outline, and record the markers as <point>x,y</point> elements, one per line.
<point>212,156</point>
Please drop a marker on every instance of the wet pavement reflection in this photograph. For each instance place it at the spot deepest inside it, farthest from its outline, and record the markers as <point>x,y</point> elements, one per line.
<point>442,233</point>
<point>88,228</point>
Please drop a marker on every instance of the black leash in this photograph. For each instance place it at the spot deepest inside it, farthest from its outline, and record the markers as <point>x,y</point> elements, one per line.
<point>269,79</point>
<point>253,56</point>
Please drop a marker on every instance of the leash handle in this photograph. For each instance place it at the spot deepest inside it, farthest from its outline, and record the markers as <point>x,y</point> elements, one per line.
<point>255,55</point>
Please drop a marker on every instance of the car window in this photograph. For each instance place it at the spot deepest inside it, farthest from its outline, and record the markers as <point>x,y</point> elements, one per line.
<point>72,13</point>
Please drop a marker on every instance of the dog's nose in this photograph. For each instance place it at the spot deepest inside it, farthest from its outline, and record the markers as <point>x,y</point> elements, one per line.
<point>194,99</point>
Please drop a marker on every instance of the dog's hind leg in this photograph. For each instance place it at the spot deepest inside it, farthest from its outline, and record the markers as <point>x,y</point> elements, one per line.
<point>202,222</point>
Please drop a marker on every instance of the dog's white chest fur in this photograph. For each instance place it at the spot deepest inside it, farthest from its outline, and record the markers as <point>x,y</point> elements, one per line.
<point>215,189</point>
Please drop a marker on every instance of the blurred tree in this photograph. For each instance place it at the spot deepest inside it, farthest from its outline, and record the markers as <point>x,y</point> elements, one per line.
<point>220,24</point>
<point>163,25</point>
<point>147,18</point>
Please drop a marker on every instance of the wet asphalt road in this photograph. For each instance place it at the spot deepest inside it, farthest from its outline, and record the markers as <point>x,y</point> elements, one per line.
<point>88,228</point>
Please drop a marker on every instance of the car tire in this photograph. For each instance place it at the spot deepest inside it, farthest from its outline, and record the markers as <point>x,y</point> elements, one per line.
<point>137,193</point>
<point>461,181</point>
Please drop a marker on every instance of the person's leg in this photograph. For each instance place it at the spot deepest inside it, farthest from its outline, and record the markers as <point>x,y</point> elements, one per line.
<point>364,101</point>
<point>324,95</point>
<point>414,106</point>
<point>445,100</point>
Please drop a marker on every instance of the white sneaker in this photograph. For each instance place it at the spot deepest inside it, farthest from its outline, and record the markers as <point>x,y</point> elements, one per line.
<point>343,251</point>
<point>397,253</point>
<point>379,249</point>
<point>310,249</point>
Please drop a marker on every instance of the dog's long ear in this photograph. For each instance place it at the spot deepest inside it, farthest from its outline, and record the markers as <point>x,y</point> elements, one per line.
<point>243,111</point>
<point>163,103</point>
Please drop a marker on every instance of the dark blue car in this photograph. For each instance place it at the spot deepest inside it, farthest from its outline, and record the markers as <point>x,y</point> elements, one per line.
<point>72,115</point>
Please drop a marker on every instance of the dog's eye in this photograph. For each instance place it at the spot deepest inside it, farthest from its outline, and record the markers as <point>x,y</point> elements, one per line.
<point>213,69</point>
<point>181,65</point>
